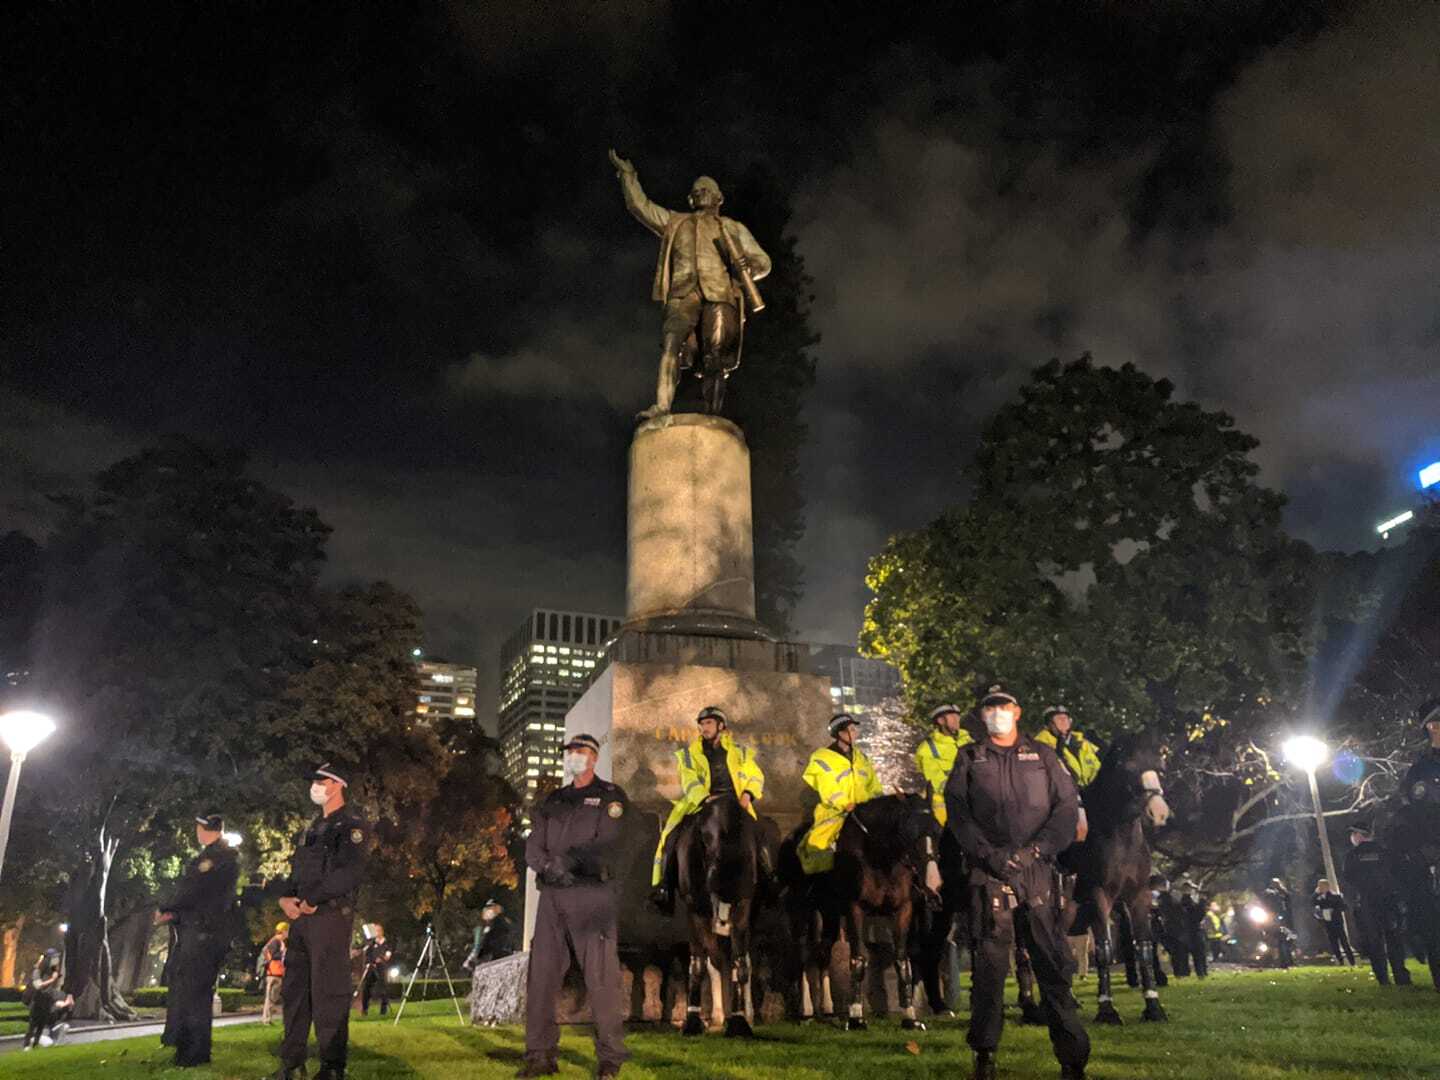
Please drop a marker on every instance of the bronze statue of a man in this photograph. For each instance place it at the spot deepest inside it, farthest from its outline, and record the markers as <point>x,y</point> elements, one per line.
<point>705,276</point>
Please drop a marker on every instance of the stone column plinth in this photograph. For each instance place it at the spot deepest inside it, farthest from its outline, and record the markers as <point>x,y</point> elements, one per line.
<point>691,546</point>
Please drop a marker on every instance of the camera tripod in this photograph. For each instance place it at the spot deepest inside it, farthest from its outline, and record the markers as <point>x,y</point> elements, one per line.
<point>428,955</point>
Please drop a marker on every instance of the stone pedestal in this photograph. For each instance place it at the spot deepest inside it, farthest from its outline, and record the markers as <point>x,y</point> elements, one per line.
<point>691,546</point>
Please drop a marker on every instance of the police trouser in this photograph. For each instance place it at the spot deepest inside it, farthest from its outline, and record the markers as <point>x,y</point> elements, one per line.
<point>317,987</point>
<point>191,994</point>
<point>1038,928</point>
<point>375,983</point>
<point>1195,944</point>
<point>1382,937</point>
<point>581,920</point>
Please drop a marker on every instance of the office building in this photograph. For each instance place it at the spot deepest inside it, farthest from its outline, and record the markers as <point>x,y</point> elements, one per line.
<point>545,665</point>
<point>857,683</point>
<point>444,692</point>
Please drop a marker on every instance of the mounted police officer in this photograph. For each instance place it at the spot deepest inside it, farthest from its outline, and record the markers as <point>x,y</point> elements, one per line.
<point>843,778</point>
<point>1379,915</point>
<point>1013,807</point>
<point>712,766</point>
<point>202,911</point>
<point>574,847</point>
<point>318,898</point>
<point>935,756</point>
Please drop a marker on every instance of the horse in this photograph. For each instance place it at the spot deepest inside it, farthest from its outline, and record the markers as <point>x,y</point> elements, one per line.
<point>886,858</point>
<point>1112,863</point>
<point>718,855</point>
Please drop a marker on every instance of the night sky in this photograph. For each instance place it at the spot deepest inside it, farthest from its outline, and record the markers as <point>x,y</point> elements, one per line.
<point>384,252</point>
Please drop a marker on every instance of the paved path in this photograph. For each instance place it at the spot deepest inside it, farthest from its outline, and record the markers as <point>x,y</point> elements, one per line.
<point>138,1029</point>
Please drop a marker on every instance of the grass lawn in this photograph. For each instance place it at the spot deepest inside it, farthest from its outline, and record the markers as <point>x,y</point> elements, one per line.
<point>14,1018</point>
<point>1311,1023</point>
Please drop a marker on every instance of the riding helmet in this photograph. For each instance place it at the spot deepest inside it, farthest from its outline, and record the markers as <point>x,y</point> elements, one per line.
<point>1055,710</point>
<point>713,712</point>
<point>1430,710</point>
<point>944,710</point>
<point>840,721</point>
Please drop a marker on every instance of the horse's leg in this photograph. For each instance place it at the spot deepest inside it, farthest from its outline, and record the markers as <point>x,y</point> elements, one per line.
<point>1106,1013</point>
<point>829,934</point>
<point>904,978</point>
<point>735,1020</point>
<point>854,932</point>
<point>1025,985</point>
<point>1146,957</point>
<point>930,939</point>
<point>1125,942</point>
<point>700,936</point>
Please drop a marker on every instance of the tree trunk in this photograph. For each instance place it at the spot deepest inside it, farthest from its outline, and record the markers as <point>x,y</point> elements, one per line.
<point>130,943</point>
<point>88,969</point>
<point>11,952</point>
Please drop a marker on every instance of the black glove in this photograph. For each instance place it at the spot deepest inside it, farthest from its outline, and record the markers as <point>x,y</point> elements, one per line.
<point>1019,861</point>
<point>996,862</point>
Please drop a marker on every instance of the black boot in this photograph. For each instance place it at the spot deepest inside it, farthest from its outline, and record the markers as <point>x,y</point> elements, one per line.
<point>330,1072</point>
<point>985,1065</point>
<point>297,1073</point>
<point>1072,1072</point>
<point>537,1068</point>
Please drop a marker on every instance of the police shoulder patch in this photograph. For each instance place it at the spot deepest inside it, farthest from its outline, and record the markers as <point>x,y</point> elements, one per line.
<point>204,866</point>
<point>1418,791</point>
<point>357,836</point>
<point>616,809</point>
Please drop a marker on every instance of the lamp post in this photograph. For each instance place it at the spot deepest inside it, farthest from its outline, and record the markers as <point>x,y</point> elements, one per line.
<point>21,731</point>
<point>1309,753</point>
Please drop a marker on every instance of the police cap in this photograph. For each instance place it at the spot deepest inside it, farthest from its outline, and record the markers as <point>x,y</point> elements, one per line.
<point>995,694</point>
<point>1428,711</point>
<point>840,721</point>
<point>328,771</point>
<point>713,712</point>
<point>210,822</point>
<point>583,742</point>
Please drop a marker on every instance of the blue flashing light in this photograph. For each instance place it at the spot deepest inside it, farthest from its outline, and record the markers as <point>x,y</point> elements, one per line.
<point>1430,475</point>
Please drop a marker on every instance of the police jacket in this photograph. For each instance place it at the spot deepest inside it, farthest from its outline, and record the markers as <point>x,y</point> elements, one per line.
<point>1001,800</point>
<point>1076,753</point>
<point>842,781</point>
<point>935,757</point>
<point>205,897</point>
<point>494,939</point>
<point>329,861</point>
<point>575,836</point>
<point>696,779</point>
<point>378,953</point>
<point>1422,779</point>
<point>1367,872</point>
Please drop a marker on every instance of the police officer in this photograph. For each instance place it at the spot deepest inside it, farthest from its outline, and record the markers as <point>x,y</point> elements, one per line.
<point>1422,779</point>
<point>712,766</point>
<point>1077,753</point>
<point>377,971</point>
<point>1276,900</point>
<point>319,900</point>
<point>843,777</point>
<point>201,911</point>
<point>1378,914</point>
<point>1013,807</point>
<point>574,847</point>
<point>935,756</point>
<point>1192,927</point>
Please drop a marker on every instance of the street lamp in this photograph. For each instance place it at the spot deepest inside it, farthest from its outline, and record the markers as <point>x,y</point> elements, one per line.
<point>22,731</point>
<point>1309,753</point>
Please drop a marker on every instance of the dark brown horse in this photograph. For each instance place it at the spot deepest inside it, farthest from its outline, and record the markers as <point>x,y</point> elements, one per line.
<point>1113,862</point>
<point>718,855</point>
<point>886,862</point>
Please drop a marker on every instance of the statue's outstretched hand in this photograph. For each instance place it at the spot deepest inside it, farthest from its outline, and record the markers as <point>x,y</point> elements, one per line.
<point>621,165</point>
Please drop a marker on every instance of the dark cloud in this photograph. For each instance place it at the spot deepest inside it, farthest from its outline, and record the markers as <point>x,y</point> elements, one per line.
<point>385,254</point>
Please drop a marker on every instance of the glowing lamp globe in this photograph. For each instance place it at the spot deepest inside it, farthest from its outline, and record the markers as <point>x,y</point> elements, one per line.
<point>23,730</point>
<point>1306,751</point>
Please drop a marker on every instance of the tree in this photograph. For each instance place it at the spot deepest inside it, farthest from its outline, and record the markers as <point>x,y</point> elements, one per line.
<point>178,603</point>
<point>1119,556</point>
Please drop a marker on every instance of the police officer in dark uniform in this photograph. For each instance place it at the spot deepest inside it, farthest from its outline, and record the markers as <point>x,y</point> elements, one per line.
<point>572,848</point>
<point>1379,917</point>
<point>1013,808</point>
<point>201,912</point>
<point>319,900</point>
<point>1276,900</point>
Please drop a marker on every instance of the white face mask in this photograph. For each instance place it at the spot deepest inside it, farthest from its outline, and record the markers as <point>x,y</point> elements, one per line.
<point>319,794</point>
<point>577,762</point>
<point>999,721</point>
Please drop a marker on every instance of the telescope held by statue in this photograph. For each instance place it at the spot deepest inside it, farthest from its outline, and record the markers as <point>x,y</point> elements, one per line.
<point>753,298</point>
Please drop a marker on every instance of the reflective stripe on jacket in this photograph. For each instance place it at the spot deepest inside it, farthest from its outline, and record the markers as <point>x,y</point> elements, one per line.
<point>745,773</point>
<point>935,757</point>
<point>1079,755</point>
<point>841,782</point>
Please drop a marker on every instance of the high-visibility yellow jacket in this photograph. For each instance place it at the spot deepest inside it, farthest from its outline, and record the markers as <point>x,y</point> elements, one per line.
<point>1079,756</point>
<point>841,782</point>
<point>935,757</point>
<point>745,773</point>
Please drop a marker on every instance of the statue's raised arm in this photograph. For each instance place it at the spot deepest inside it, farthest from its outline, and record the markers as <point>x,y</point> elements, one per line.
<point>705,277</point>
